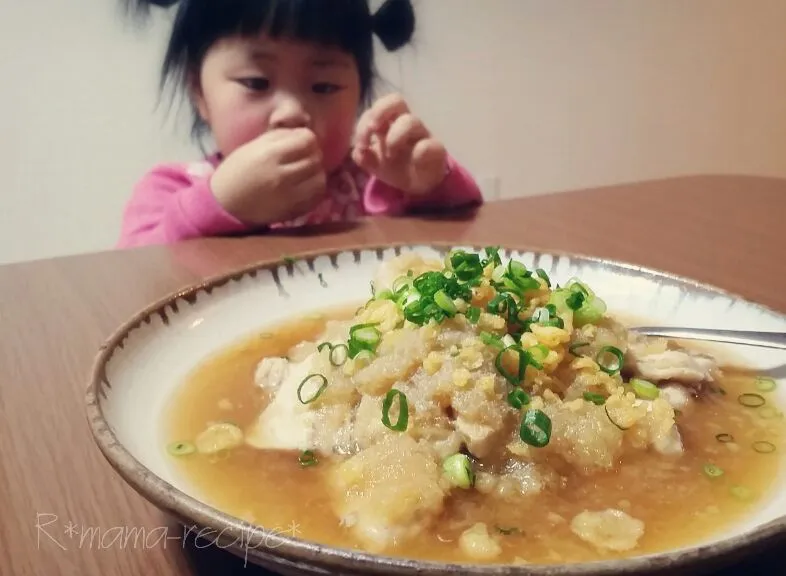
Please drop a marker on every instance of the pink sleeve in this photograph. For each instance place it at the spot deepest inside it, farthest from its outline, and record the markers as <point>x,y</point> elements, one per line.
<point>169,204</point>
<point>458,190</point>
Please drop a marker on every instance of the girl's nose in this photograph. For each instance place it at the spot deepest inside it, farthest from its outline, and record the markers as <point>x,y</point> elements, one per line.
<point>289,112</point>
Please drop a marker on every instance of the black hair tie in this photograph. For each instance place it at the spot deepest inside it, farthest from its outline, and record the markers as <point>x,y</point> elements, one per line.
<point>394,23</point>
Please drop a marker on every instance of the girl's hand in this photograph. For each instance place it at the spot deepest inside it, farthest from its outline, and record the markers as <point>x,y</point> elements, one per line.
<point>397,148</point>
<point>275,177</point>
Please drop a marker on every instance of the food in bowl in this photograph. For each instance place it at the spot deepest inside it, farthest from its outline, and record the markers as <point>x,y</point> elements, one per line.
<point>474,411</point>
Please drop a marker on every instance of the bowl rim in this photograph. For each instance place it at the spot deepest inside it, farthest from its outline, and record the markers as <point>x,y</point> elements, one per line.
<point>186,508</point>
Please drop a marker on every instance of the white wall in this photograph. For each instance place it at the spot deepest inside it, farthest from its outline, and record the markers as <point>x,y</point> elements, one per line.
<point>546,95</point>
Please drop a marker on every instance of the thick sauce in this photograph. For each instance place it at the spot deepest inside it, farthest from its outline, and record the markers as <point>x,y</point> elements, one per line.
<point>678,503</point>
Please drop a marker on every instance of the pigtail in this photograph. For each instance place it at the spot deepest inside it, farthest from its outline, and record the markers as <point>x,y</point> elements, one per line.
<point>394,23</point>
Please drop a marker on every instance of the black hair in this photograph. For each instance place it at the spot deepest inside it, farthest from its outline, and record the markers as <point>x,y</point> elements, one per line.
<point>345,24</point>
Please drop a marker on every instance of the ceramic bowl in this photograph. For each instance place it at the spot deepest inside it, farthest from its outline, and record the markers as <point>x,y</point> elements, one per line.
<point>138,368</point>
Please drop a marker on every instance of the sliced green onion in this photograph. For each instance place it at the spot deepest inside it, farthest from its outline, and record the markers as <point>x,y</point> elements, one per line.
<point>491,340</point>
<point>324,345</point>
<point>611,367</point>
<point>597,399</point>
<point>764,447</point>
<point>590,312</point>
<point>538,355</point>
<point>181,448</point>
<point>611,419</point>
<point>508,531</point>
<point>503,305</point>
<point>764,384</point>
<point>473,314</point>
<point>741,492</point>
<point>542,274</point>
<point>308,458</point>
<point>713,471</point>
<point>443,301</point>
<point>458,470</point>
<point>508,341</point>
<point>724,438</point>
<point>465,265</point>
<point>517,377</point>
<point>751,400</point>
<point>363,337</point>
<point>556,322</point>
<point>573,347</point>
<point>339,354</point>
<point>518,398</point>
<point>403,410</point>
<point>535,428</point>
<point>401,283</point>
<point>578,288</point>
<point>769,413</point>
<point>575,300</point>
<point>644,389</point>
<point>316,377</point>
<point>385,295</point>
<point>492,256</point>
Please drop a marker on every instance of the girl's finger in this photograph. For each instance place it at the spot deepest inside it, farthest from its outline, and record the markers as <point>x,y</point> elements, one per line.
<point>365,158</point>
<point>379,116</point>
<point>403,134</point>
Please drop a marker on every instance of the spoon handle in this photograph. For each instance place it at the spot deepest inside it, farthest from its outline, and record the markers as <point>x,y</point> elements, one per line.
<point>750,338</point>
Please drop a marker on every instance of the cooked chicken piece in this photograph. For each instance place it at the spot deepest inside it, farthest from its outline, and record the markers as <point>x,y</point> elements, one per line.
<point>655,360</point>
<point>608,529</point>
<point>271,372</point>
<point>677,396</point>
<point>390,492</point>
<point>286,423</point>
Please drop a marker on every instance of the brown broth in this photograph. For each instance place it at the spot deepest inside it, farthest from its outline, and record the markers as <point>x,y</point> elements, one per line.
<point>677,502</point>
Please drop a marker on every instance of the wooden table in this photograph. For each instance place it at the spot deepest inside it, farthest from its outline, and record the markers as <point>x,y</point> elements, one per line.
<point>54,315</point>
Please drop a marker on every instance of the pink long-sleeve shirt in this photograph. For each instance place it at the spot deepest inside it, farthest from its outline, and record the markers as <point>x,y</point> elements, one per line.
<point>174,202</point>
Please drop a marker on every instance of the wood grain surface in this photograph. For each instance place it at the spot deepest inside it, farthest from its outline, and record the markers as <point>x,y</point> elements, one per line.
<point>64,511</point>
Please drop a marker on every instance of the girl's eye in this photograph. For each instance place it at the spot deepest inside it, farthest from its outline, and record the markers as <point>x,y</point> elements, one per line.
<point>256,84</point>
<point>325,88</point>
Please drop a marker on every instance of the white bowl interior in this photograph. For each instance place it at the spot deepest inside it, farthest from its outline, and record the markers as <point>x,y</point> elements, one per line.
<point>158,356</point>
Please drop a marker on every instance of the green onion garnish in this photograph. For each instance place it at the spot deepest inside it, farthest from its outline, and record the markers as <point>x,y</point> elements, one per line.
<point>324,345</point>
<point>724,438</point>
<point>575,346</point>
<point>741,492</point>
<point>575,300</point>
<point>518,398</point>
<point>644,389</point>
<point>611,419</point>
<point>508,531</point>
<point>542,273</point>
<point>363,337</point>
<point>339,354</point>
<point>384,295</point>
<point>769,413</point>
<point>465,265</point>
<point>181,448</point>
<point>713,471</point>
<point>764,447</point>
<point>597,399</point>
<point>535,428</point>
<point>613,365</point>
<point>317,378</point>
<point>403,410</point>
<point>492,256</point>
<point>538,355</point>
<point>308,458</point>
<point>503,305</point>
<point>491,340</point>
<point>443,301</point>
<point>516,377</point>
<point>458,470</point>
<point>473,314</point>
<point>764,384</point>
<point>751,400</point>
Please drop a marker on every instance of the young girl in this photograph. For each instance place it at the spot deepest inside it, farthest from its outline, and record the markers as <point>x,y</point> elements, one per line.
<point>280,85</point>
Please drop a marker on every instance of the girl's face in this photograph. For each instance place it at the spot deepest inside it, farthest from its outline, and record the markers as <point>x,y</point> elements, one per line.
<point>250,86</point>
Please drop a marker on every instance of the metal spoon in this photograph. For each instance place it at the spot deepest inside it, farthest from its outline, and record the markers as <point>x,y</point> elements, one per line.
<point>750,338</point>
